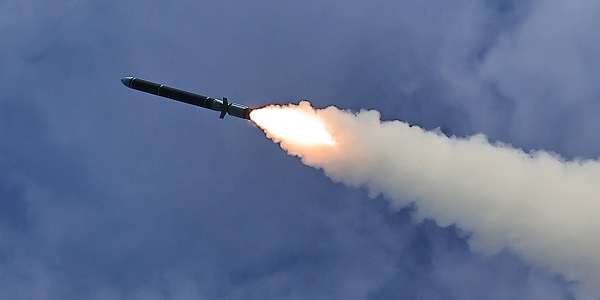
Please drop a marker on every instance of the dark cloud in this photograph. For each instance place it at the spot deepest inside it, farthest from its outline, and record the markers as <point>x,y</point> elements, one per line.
<point>110,193</point>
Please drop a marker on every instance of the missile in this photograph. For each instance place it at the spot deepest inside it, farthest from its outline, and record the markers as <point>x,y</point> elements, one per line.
<point>221,105</point>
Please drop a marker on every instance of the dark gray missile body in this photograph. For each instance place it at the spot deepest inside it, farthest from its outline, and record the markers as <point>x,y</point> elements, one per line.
<point>221,105</point>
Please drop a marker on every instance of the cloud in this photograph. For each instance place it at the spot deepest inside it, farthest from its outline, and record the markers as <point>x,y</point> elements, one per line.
<point>116,194</point>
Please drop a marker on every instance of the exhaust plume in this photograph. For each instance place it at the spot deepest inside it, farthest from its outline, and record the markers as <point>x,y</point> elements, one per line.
<point>537,205</point>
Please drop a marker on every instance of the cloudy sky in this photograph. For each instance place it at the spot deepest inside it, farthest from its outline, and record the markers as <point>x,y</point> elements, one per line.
<point>110,193</point>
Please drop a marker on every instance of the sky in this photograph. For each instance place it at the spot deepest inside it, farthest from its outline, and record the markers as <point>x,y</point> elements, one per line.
<point>110,193</point>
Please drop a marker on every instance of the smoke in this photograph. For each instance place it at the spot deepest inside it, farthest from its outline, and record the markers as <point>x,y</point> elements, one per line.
<point>536,204</point>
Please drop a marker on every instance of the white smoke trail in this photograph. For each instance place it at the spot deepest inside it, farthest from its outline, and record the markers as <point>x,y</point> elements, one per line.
<point>537,205</point>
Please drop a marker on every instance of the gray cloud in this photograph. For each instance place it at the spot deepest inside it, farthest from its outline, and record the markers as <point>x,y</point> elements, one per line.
<point>115,194</point>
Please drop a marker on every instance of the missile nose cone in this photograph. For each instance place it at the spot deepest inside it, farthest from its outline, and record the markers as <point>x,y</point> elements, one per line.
<point>127,81</point>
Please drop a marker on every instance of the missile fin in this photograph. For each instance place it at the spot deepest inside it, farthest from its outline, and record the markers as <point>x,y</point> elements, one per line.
<point>224,108</point>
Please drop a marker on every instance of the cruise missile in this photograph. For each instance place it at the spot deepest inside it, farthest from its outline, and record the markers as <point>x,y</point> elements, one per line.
<point>221,105</point>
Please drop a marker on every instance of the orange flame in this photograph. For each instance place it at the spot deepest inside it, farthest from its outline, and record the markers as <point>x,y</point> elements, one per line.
<point>297,124</point>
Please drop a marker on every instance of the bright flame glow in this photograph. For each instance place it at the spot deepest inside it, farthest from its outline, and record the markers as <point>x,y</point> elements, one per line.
<point>297,124</point>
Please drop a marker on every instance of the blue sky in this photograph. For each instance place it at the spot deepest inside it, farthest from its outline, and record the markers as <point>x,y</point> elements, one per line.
<point>109,193</point>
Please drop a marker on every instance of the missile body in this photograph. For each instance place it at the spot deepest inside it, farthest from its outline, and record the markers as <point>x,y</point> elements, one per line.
<point>221,105</point>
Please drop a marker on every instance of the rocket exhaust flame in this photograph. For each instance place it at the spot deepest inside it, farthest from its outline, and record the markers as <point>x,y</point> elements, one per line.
<point>537,205</point>
<point>293,124</point>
